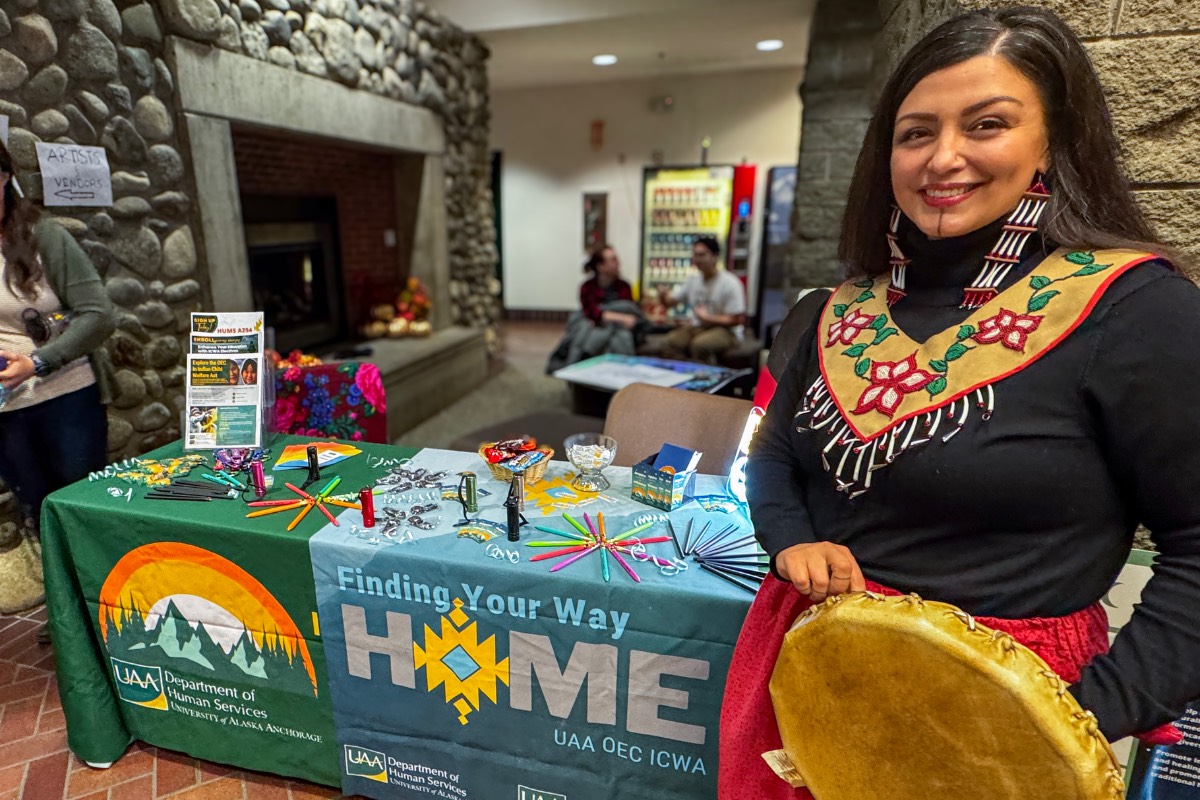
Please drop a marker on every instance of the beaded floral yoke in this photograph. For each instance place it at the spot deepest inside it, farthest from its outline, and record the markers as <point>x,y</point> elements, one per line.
<point>881,393</point>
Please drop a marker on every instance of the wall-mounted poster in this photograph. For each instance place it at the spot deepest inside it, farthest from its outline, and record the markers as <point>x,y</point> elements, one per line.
<point>595,220</point>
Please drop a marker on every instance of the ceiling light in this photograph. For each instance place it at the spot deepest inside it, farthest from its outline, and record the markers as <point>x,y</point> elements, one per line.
<point>769,44</point>
<point>606,60</point>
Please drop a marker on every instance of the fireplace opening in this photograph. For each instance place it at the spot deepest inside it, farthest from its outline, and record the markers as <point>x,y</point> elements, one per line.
<point>295,270</point>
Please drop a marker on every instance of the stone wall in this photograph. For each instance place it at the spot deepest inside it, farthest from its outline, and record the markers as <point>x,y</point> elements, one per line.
<point>398,49</point>
<point>93,72</point>
<point>1148,55</point>
<point>837,99</point>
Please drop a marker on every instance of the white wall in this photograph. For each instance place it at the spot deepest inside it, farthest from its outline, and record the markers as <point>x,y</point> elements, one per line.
<point>548,163</point>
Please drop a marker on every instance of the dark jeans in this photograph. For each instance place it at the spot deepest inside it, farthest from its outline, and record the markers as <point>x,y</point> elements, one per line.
<point>49,445</point>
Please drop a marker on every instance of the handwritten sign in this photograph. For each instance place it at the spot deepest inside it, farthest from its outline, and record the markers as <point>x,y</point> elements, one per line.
<point>4,129</point>
<point>74,175</point>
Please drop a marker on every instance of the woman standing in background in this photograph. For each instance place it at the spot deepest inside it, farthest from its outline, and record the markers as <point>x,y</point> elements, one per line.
<point>53,427</point>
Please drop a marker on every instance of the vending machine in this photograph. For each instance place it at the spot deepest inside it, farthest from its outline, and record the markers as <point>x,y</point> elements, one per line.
<point>684,203</point>
<point>741,222</point>
<point>681,204</point>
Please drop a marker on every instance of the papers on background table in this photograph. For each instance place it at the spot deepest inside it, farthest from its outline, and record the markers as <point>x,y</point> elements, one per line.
<point>616,375</point>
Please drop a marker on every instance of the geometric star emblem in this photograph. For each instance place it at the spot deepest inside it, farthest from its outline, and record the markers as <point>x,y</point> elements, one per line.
<point>458,661</point>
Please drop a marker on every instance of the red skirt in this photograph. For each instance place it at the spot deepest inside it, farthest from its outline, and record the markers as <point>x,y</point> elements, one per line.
<point>748,727</point>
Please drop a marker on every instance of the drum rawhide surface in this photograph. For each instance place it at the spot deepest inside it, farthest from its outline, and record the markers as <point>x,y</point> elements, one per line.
<point>898,698</point>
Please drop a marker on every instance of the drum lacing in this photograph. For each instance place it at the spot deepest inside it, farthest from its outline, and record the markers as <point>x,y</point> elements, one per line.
<point>964,618</point>
<point>872,595</point>
<point>1060,687</point>
<point>1089,721</point>
<point>1006,642</point>
<point>913,600</point>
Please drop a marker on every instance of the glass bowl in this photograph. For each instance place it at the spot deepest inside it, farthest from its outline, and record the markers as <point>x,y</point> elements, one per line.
<point>590,453</point>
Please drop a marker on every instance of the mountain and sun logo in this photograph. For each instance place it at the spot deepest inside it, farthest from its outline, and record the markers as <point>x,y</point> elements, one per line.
<point>170,603</point>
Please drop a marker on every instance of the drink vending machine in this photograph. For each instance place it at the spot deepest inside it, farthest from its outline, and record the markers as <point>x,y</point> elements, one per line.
<point>681,204</point>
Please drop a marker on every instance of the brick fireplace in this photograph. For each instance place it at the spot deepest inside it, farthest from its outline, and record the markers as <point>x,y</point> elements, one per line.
<point>307,181</point>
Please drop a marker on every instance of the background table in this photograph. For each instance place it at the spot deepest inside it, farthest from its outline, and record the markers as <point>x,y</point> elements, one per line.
<point>194,629</point>
<point>594,380</point>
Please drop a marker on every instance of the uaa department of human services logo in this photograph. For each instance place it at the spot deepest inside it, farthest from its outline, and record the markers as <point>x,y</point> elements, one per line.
<point>525,793</point>
<point>142,686</point>
<point>364,763</point>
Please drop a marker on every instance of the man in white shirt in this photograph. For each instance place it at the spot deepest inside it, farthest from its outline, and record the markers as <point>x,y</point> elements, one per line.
<point>718,306</point>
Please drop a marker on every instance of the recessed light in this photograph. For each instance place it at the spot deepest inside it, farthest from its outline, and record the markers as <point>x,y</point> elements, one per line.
<point>606,60</point>
<point>769,44</point>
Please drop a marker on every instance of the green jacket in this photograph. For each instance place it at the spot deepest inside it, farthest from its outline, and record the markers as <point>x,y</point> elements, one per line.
<point>74,279</point>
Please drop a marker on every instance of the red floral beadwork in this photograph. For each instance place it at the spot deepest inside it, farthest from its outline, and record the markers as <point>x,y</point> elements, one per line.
<point>890,381</point>
<point>847,329</point>
<point>1009,328</point>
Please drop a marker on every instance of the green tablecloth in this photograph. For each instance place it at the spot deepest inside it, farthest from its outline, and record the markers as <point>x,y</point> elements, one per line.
<point>123,579</point>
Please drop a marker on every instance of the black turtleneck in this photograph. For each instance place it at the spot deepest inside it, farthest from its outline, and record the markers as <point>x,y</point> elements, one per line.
<point>1030,513</point>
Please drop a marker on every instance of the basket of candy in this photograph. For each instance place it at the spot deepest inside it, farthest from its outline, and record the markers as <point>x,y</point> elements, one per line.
<point>520,454</point>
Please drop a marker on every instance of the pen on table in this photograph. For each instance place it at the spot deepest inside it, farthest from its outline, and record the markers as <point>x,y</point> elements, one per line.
<point>739,571</point>
<point>632,531</point>
<point>573,558</point>
<point>687,537</point>
<point>627,543</point>
<point>308,505</point>
<point>229,480</point>
<point>275,509</point>
<point>575,524</point>
<point>320,503</point>
<point>628,568</point>
<point>300,492</point>
<point>715,540</point>
<point>728,578</point>
<point>731,547</point>
<point>674,538</point>
<point>563,552</point>
<point>341,503</point>
<point>564,534</point>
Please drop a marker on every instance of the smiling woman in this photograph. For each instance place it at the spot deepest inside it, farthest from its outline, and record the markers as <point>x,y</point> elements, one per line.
<point>958,161</point>
<point>983,413</point>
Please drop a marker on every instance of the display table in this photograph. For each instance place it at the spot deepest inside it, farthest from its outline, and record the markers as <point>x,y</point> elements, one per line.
<point>424,664</point>
<point>179,586</point>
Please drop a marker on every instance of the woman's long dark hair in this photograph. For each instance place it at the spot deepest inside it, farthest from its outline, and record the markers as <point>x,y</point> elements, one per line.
<point>596,259</point>
<point>22,270</point>
<point>1090,206</point>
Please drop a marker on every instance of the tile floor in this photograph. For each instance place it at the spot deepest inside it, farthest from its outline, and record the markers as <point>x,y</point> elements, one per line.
<point>36,765</point>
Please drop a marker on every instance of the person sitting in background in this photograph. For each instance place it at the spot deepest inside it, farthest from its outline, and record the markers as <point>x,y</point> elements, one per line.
<point>717,301</point>
<point>608,320</point>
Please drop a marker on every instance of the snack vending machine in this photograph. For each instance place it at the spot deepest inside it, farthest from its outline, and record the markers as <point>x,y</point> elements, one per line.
<point>681,204</point>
